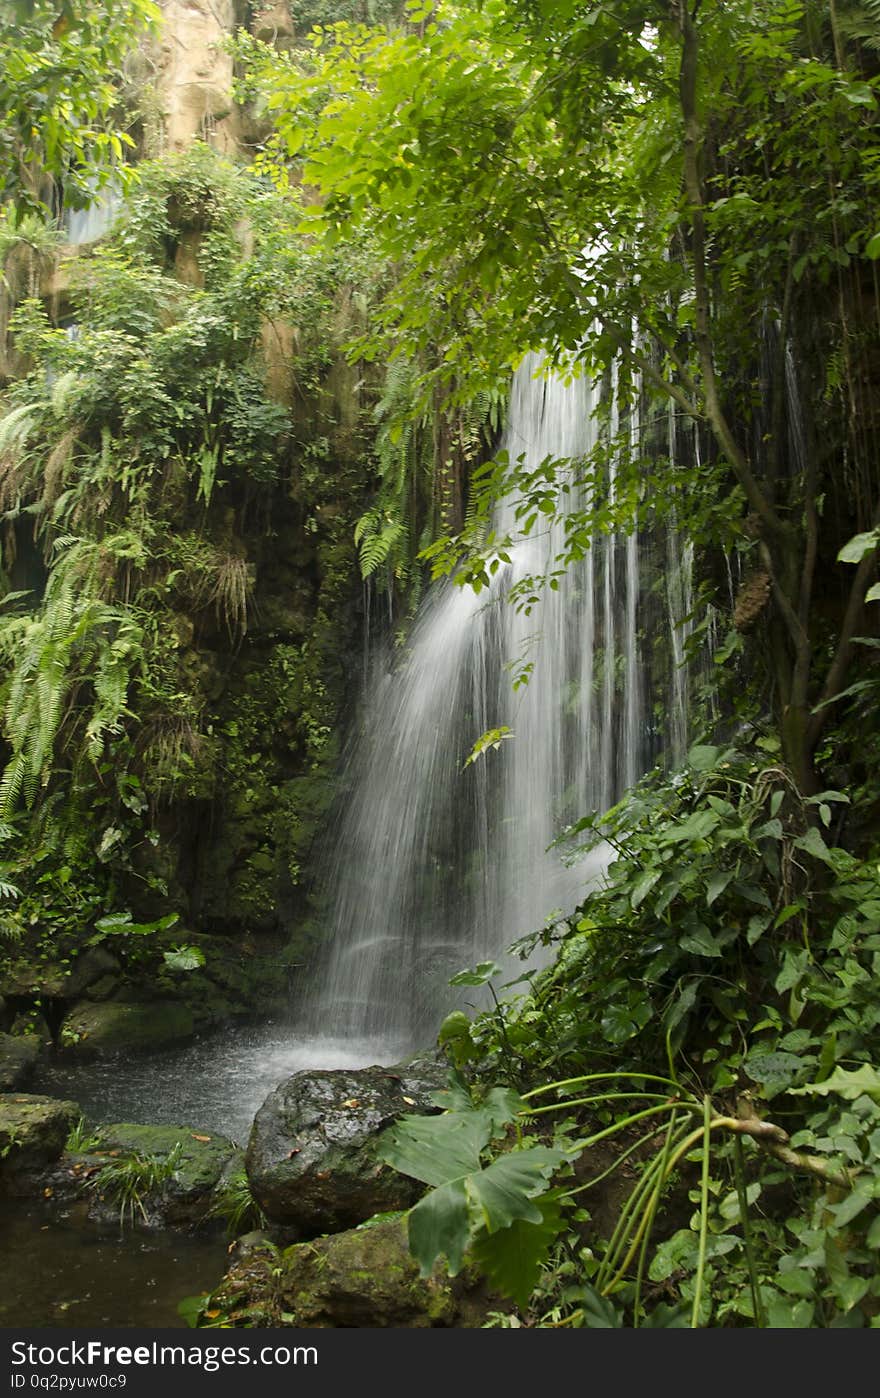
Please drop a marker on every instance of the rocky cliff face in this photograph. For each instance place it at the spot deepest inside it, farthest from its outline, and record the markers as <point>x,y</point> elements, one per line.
<point>254,607</point>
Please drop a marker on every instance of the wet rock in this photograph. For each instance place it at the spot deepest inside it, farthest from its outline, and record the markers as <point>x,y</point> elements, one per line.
<point>57,980</point>
<point>362,1277</point>
<point>111,1026</point>
<point>18,1054</point>
<point>33,1130</point>
<point>312,1156</point>
<point>201,1162</point>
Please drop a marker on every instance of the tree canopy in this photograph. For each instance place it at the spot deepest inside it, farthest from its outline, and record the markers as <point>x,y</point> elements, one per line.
<point>60,62</point>
<point>687,192</point>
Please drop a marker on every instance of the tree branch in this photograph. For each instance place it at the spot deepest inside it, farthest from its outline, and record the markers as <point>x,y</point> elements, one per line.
<point>845,650</point>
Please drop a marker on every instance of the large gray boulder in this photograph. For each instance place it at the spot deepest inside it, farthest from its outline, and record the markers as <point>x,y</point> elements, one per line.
<point>312,1156</point>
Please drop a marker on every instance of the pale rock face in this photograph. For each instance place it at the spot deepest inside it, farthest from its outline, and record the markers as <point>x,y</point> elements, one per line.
<point>272,22</point>
<point>195,75</point>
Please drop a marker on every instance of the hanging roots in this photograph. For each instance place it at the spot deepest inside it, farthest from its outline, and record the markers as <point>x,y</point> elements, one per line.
<point>751,600</point>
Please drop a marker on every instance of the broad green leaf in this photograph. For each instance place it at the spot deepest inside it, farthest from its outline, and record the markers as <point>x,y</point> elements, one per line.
<point>599,1312</point>
<point>717,883</point>
<point>682,1004</point>
<point>813,844</point>
<point>439,1225</point>
<point>696,827</point>
<point>505,1190</point>
<point>873,593</point>
<point>846,1083</point>
<point>700,941</point>
<point>783,1314</point>
<point>184,958</point>
<point>774,1071</point>
<point>512,1257</point>
<point>797,1282</point>
<point>481,974</point>
<point>501,1105</point>
<point>859,1197</point>
<point>643,885</point>
<point>858,547</point>
<point>436,1149</point>
<point>456,1025</point>
<point>703,757</point>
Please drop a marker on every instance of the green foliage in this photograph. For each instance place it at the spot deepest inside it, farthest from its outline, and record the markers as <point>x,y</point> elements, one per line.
<point>234,1202</point>
<point>724,970</point>
<point>82,1140</point>
<point>129,1179</point>
<point>59,80</point>
<point>635,194</point>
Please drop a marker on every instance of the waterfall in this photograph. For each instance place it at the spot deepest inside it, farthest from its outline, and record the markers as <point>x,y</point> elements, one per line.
<point>434,865</point>
<point>86,225</point>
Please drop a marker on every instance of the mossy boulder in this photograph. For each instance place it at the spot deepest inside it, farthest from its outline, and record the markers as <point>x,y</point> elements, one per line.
<point>203,1162</point>
<point>18,1054</point>
<point>96,1029</point>
<point>33,1130</point>
<point>312,1157</point>
<point>364,1277</point>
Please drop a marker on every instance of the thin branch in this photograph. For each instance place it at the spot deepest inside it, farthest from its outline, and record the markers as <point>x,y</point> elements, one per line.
<point>845,649</point>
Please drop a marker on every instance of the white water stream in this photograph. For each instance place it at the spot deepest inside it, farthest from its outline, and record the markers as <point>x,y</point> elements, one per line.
<point>434,867</point>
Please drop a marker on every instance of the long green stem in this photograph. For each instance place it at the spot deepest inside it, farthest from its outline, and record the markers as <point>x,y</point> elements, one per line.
<point>652,1212</point>
<point>599,1077</point>
<point>626,1121</point>
<point>704,1215</point>
<point>600,1097</point>
<point>662,1172</point>
<point>623,1229</point>
<point>616,1163</point>
<point>742,1196</point>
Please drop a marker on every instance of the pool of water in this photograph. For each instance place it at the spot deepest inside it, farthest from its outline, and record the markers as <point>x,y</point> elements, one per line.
<point>216,1083</point>
<point>62,1270</point>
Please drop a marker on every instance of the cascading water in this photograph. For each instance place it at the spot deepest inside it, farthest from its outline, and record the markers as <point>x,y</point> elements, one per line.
<point>435,867</point>
<point>88,224</point>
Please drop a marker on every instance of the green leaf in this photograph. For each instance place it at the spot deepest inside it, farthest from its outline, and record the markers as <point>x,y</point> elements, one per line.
<point>480,975</point>
<point>846,1083</point>
<point>700,941</point>
<point>813,844</point>
<point>696,827</point>
<point>858,1199</point>
<point>717,884</point>
<point>191,1307</point>
<point>437,1149</point>
<point>858,547</point>
<point>873,593</point>
<point>783,1314</point>
<point>488,742</point>
<point>505,1190</point>
<point>774,1071</point>
<point>440,1225</point>
<point>184,958</point>
<point>599,1312</point>
<point>512,1257</point>
<point>703,758</point>
<point>643,885</point>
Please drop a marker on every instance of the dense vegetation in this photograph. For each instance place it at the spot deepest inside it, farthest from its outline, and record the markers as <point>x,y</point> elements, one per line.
<point>681,201</point>
<point>683,196</point>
